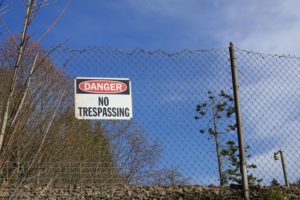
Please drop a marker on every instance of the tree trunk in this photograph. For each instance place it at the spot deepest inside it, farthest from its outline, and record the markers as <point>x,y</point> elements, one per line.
<point>219,160</point>
<point>216,135</point>
<point>21,49</point>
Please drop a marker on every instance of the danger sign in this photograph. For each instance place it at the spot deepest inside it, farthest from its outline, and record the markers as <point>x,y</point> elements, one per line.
<point>103,98</point>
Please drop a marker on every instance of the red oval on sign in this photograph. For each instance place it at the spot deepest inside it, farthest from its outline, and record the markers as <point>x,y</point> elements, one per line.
<point>102,86</point>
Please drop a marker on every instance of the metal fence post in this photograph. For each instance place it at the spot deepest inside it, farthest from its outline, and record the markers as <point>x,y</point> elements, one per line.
<point>284,168</point>
<point>276,157</point>
<point>243,162</point>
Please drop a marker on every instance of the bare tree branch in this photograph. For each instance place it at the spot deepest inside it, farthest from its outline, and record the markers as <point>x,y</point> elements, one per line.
<point>14,79</point>
<point>7,29</point>
<point>40,147</point>
<point>47,130</point>
<point>26,90</point>
<point>55,21</point>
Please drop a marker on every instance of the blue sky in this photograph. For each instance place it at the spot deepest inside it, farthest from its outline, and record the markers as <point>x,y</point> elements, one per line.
<point>269,25</point>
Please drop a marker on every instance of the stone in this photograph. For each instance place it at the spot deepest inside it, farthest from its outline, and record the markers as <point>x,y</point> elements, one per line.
<point>135,192</point>
<point>4,194</point>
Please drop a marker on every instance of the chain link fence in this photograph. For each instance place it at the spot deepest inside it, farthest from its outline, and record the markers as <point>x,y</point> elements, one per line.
<point>269,87</point>
<point>166,88</point>
<point>183,130</point>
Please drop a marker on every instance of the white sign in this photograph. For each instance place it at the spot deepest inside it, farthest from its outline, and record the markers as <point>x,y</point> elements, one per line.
<point>103,98</point>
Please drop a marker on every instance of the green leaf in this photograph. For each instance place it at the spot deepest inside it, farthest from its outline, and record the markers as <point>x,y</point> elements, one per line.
<point>211,131</point>
<point>198,107</point>
<point>220,107</point>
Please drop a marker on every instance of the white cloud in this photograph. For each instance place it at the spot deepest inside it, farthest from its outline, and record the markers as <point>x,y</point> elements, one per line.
<point>268,168</point>
<point>269,26</point>
<point>269,103</point>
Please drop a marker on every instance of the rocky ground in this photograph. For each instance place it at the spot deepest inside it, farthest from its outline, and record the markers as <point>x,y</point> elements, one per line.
<point>151,192</point>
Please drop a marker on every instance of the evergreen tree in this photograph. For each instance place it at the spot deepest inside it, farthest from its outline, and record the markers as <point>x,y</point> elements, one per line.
<point>232,173</point>
<point>216,109</point>
<point>219,109</point>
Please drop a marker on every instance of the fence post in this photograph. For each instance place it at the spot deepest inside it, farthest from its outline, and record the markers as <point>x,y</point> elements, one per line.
<point>284,168</point>
<point>283,165</point>
<point>243,162</point>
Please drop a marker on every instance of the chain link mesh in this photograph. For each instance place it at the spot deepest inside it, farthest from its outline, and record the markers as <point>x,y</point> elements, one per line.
<point>269,87</point>
<point>167,86</point>
<point>183,109</point>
